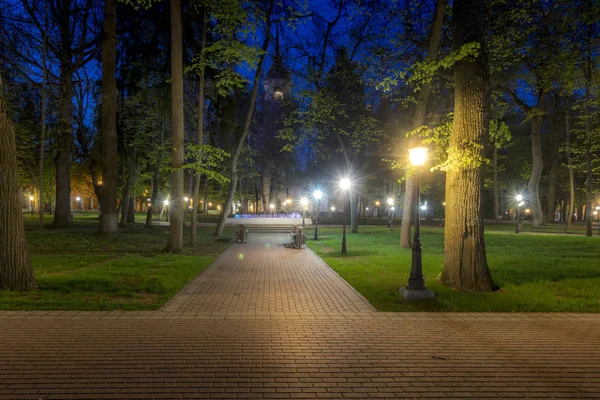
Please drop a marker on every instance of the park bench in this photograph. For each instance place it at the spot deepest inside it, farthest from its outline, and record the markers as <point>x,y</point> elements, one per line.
<point>242,234</point>
<point>298,238</point>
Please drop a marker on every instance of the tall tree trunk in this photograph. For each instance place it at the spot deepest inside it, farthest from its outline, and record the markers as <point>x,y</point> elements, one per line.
<point>553,176</point>
<point>496,205</point>
<point>533,186</point>
<point>196,195</point>
<point>64,137</point>
<point>64,144</point>
<point>267,176</point>
<point>43,116</point>
<point>240,144</point>
<point>465,264</point>
<point>108,202</point>
<point>571,206</point>
<point>353,212</point>
<point>16,272</point>
<point>155,183</point>
<point>175,241</point>
<point>125,189</point>
<point>588,131</point>
<point>419,120</point>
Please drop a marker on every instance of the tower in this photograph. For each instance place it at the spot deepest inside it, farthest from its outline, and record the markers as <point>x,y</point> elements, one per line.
<point>277,84</point>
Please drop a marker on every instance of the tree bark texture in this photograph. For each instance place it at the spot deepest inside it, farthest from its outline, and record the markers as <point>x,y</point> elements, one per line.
<point>553,176</point>
<point>537,165</point>
<point>175,241</point>
<point>64,136</point>
<point>240,144</point>
<point>419,120</point>
<point>16,272</point>
<point>465,264</point>
<point>108,202</point>
<point>196,194</point>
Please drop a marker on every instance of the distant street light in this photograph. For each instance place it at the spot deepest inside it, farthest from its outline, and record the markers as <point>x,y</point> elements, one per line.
<point>332,208</point>
<point>345,185</point>
<point>79,205</point>
<point>390,202</point>
<point>415,289</point>
<point>377,208</point>
<point>519,199</point>
<point>317,195</point>
<point>31,198</point>
<point>304,203</point>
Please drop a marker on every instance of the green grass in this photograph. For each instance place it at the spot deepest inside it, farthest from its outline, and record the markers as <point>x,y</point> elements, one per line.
<point>535,272</point>
<point>79,270</point>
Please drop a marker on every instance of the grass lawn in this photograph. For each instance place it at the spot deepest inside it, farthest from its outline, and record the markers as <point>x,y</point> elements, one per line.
<point>535,272</point>
<point>78,270</point>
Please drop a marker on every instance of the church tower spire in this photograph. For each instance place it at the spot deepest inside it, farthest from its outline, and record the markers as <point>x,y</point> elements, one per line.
<point>277,82</point>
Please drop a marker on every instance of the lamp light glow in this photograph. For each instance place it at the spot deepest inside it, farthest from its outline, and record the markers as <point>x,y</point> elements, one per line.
<point>185,199</point>
<point>304,201</point>
<point>521,204</point>
<point>271,206</point>
<point>519,197</point>
<point>390,201</point>
<point>76,198</point>
<point>317,194</point>
<point>332,208</point>
<point>166,202</point>
<point>31,198</point>
<point>345,184</point>
<point>418,155</point>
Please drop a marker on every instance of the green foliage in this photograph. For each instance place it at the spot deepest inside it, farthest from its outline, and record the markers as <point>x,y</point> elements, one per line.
<point>206,160</point>
<point>500,134</point>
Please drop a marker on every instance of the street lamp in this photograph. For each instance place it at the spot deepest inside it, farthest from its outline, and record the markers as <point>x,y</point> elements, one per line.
<point>390,202</point>
<point>79,207</point>
<point>304,202</point>
<point>345,185</point>
<point>31,198</point>
<point>377,208</point>
<point>519,199</point>
<point>415,289</point>
<point>317,195</point>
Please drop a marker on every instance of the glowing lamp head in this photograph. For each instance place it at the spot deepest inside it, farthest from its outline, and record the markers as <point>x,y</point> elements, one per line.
<point>393,208</point>
<point>345,184</point>
<point>210,204</point>
<point>318,194</point>
<point>521,204</point>
<point>597,208</point>
<point>77,198</point>
<point>332,208</point>
<point>367,208</point>
<point>148,199</point>
<point>31,198</point>
<point>418,156</point>
<point>377,203</point>
<point>304,201</point>
<point>185,199</point>
<point>166,202</point>
<point>444,204</point>
<point>390,201</point>
<point>278,94</point>
<point>519,197</point>
<point>527,211</point>
<point>288,201</point>
<point>271,206</point>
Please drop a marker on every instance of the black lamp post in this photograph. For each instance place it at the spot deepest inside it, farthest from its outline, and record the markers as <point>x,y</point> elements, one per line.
<point>519,199</point>
<point>415,289</point>
<point>345,185</point>
<point>390,202</point>
<point>317,195</point>
<point>304,203</point>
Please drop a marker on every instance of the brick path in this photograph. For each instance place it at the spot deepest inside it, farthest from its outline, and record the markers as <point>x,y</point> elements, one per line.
<point>193,349</point>
<point>264,277</point>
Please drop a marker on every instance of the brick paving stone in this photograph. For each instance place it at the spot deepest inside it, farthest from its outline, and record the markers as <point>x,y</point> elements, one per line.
<point>246,330</point>
<point>263,276</point>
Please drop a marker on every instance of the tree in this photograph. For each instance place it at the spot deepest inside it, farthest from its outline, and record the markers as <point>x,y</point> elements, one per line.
<point>175,241</point>
<point>465,264</point>
<point>16,272</point>
<point>108,210</point>
<point>418,119</point>
<point>235,156</point>
<point>197,183</point>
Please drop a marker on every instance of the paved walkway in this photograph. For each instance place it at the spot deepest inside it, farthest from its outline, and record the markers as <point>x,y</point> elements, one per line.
<point>264,277</point>
<point>261,340</point>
